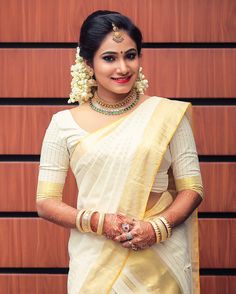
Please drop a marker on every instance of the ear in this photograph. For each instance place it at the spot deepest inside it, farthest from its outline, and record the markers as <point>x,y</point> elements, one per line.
<point>89,64</point>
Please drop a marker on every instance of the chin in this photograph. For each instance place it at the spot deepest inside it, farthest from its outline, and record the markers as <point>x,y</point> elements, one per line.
<point>122,90</point>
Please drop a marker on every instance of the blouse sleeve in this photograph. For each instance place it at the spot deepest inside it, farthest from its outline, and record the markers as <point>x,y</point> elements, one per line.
<point>54,163</point>
<point>185,162</point>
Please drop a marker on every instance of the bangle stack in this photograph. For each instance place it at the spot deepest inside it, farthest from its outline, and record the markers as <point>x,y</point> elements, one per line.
<point>83,221</point>
<point>162,228</point>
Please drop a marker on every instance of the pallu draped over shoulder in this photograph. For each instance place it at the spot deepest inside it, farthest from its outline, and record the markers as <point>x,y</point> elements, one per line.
<point>115,169</point>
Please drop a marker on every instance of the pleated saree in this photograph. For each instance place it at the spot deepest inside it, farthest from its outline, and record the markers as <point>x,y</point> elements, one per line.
<point>115,168</point>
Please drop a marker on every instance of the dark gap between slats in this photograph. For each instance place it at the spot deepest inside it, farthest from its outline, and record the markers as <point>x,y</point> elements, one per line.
<point>170,45</point>
<point>19,157</point>
<point>217,271</point>
<point>30,214</point>
<point>63,101</point>
<point>31,270</point>
<point>35,158</point>
<point>64,271</point>
<point>16,214</point>
<point>218,215</point>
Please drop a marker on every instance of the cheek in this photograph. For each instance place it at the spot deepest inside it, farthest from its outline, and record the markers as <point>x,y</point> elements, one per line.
<point>103,70</point>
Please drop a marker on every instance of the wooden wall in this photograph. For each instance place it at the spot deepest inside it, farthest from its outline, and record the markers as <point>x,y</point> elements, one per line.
<point>189,54</point>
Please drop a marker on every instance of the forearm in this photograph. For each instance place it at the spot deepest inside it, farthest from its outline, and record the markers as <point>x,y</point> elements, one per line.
<point>57,212</point>
<point>64,215</point>
<point>182,207</point>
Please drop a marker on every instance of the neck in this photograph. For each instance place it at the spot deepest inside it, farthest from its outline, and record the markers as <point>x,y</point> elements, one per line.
<point>111,97</point>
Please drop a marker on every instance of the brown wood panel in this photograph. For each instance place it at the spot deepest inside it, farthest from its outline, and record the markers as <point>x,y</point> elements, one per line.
<point>218,284</point>
<point>46,244</point>
<point>214,129</point>
<point>194,73</point>
<point>212,123</point>
<point>219,186</point>
<point>168,21</point>
<point>33,283</point>
<point>217,243</point>
<point>218,179</point>
<point>184,73</point>
<point>32,242</point>
<point>47,284</point>
<point>23,128</point>
<point>20,196</point>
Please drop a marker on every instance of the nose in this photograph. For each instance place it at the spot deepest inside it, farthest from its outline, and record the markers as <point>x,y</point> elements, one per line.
<point>122,67</point>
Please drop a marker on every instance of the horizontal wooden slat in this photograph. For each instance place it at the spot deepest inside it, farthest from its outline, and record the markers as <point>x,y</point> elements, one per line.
<point>218,284</point>
<point>219,187</point>
<point>217,243</point>
<point>180,73</point>
<point>211,124</point>
<point>168,21</point>
<point>218,179</point>
<point>38,284</point>
<point>32,242</point>
<point>33,283</point>
<point>46,244</point>
<point>214,129</point>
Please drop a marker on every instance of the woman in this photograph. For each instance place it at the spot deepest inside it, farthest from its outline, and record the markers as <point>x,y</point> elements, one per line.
<point>136,167</point>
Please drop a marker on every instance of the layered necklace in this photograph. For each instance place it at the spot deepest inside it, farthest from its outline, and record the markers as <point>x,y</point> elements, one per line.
<point>102,106</point>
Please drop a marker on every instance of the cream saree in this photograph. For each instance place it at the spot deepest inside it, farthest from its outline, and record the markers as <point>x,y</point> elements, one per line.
<point>115,168</point>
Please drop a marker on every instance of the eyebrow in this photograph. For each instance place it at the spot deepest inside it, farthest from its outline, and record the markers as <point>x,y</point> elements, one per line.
<point>115,53</point>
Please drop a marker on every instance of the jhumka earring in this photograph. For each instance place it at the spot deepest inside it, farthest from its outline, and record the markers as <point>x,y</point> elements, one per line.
<point>83,84</point>
<point>117,34</point>
<point>141,83</point>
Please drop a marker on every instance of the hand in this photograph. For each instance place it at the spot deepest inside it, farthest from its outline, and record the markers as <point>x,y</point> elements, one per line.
<point>113,224</point>
<point>143,236</point>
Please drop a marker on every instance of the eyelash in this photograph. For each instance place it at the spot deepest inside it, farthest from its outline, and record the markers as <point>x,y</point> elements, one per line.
<point>110,58</point>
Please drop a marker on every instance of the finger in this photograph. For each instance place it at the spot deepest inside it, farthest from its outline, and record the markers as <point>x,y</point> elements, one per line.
<point>127,244</point>
<point>124,237</point>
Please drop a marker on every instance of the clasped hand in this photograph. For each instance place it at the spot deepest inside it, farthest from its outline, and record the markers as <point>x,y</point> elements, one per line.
<point>140,234</point>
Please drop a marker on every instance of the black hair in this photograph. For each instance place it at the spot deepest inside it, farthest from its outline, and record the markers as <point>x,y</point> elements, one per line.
<point>98,24</point>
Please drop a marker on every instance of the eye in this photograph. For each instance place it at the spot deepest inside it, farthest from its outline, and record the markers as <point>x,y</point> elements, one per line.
<point>131,56</point>
<point>109,58</point>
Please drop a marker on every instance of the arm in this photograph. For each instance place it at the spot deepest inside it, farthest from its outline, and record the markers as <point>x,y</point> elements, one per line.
<point>187,176</point>
<point>54,164</point>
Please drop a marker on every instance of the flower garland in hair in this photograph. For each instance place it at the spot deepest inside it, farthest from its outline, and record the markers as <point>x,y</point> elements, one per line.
<point>83,84</point>
<point>141,83</point>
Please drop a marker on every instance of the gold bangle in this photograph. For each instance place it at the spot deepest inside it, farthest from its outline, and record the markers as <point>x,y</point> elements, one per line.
<point>162,228</point>
<point>89,220</point>
<point>167,225</point>
<point>157,231</point>
<point>85,221</point>
<point>86,218</point>
<point>100,223</point>
<point>77,221</point>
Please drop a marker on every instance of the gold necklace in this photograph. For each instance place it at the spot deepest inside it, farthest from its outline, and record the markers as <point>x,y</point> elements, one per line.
<point>114,111</point>
<point>119,104</point>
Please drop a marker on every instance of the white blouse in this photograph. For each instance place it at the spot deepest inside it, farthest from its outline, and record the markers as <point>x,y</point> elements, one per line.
<point>63,134</point>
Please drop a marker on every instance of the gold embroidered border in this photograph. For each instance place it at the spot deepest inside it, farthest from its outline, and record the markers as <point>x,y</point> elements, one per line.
<point>192,183</point>
<point>49,190</point>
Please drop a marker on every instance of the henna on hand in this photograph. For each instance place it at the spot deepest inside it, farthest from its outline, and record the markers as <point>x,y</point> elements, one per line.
<point>143,236</point>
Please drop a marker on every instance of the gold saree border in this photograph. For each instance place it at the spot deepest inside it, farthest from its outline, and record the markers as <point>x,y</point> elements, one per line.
<point>193,183</point>
<point>157,135</point>
<point>49,190</point>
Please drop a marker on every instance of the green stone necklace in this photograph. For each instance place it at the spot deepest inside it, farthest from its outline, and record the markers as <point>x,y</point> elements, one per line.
<point>97,107</point>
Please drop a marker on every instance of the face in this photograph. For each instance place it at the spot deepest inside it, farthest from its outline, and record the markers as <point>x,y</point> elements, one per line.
<point>116,66</point>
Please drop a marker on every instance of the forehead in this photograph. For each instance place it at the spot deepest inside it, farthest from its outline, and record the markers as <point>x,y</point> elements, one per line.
<point>108,44</point>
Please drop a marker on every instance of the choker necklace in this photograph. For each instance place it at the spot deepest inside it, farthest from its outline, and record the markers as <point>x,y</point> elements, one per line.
<point>119,104</point>
<point>117,108</point>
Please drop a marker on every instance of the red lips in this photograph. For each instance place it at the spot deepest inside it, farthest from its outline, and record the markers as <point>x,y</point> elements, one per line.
<point>122,80</point>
